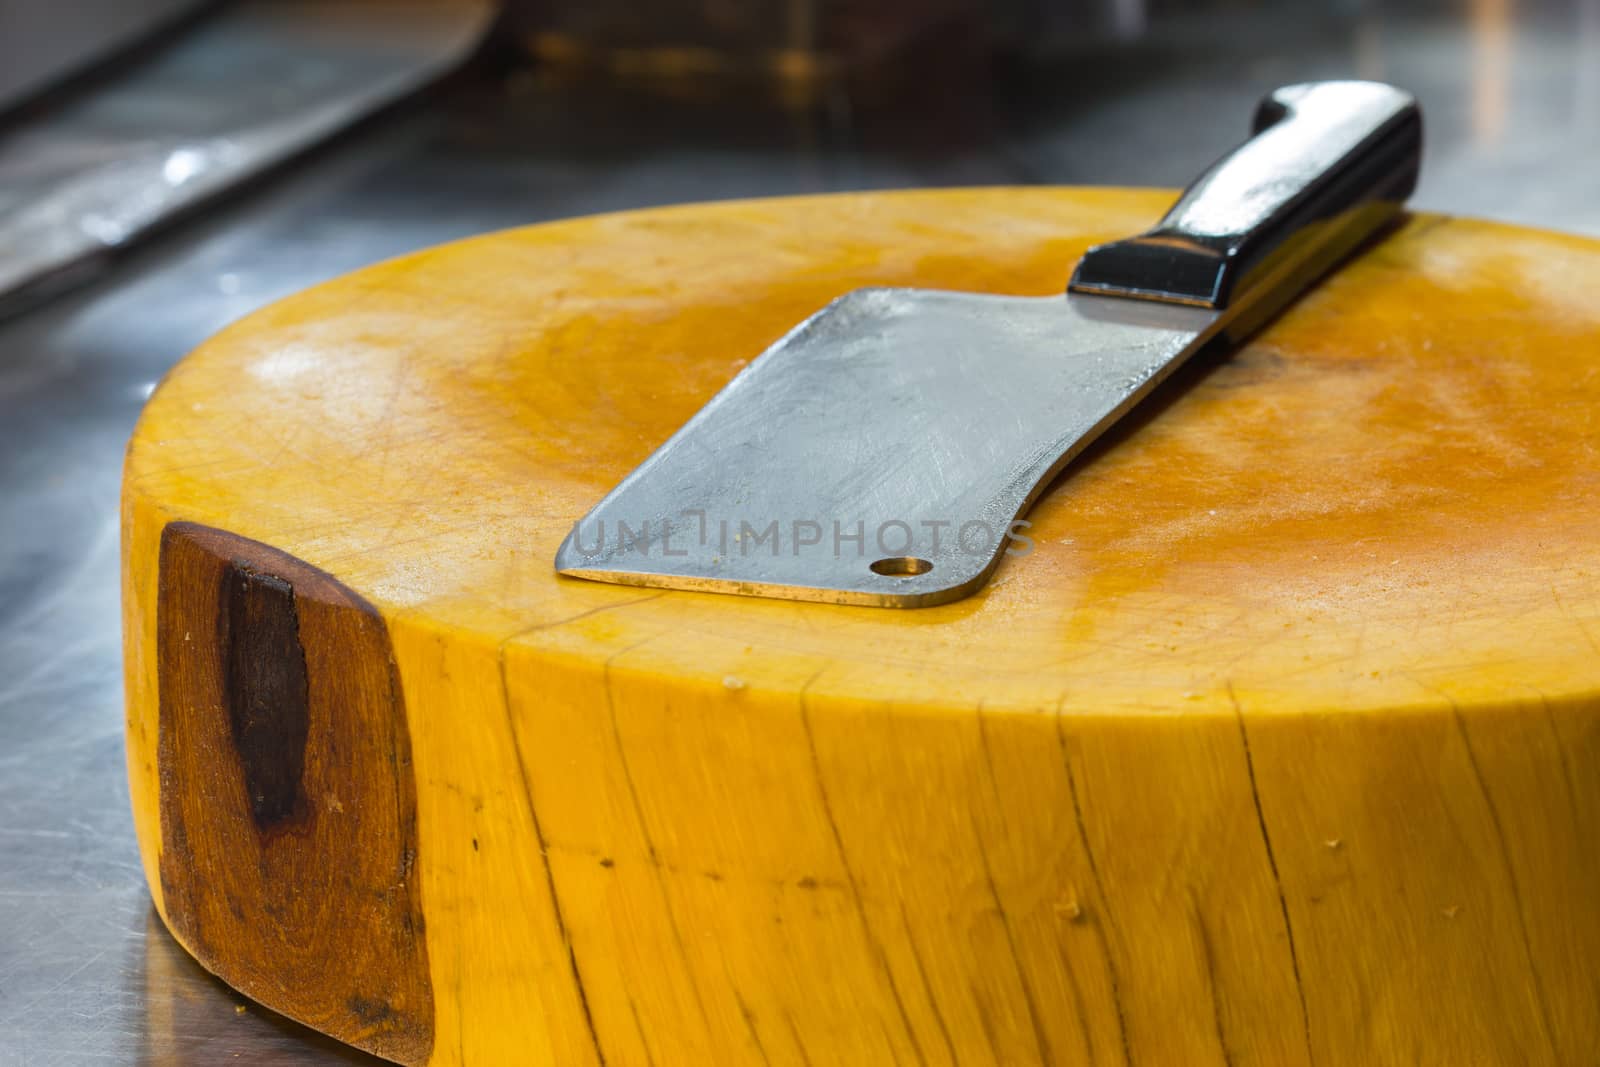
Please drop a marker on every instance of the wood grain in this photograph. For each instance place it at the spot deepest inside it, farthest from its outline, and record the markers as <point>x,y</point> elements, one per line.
<point>288,804</point>
<point>1280,748</point>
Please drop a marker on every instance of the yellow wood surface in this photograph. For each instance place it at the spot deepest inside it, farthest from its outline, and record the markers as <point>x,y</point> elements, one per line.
<point>1281,747</point>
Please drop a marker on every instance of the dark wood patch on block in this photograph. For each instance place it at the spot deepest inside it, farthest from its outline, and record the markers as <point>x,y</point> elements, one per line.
<point>266,690</point>
<point>288,799</point>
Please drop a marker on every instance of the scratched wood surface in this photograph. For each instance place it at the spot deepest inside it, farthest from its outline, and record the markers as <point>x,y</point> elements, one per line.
<point>1280,748</point>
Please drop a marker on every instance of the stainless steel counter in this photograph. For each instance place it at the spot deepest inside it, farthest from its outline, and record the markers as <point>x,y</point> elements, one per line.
<point>1512,95</point>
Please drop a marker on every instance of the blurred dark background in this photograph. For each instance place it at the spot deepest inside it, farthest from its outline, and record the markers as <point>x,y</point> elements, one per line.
<point>167,166</point>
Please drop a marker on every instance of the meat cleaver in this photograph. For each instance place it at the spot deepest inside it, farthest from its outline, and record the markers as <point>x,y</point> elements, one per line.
<point>886,450</point>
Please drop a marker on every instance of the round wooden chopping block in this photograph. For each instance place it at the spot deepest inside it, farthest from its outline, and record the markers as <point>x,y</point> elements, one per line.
<point>1279,748</point>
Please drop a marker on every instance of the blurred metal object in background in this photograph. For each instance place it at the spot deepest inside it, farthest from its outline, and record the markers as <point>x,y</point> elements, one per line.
<point>801,49</point>
<point>44,42</point>
<point>805,50</point>
<point>230,97</point>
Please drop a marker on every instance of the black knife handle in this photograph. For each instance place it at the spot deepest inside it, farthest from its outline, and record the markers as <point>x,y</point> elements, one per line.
<point>1327,165</point>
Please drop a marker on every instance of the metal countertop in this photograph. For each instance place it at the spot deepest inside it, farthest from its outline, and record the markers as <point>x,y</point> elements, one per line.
<point>1512,98</point>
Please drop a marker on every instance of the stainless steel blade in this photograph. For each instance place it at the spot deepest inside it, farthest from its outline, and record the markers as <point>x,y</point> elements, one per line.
<point>883,450</point>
